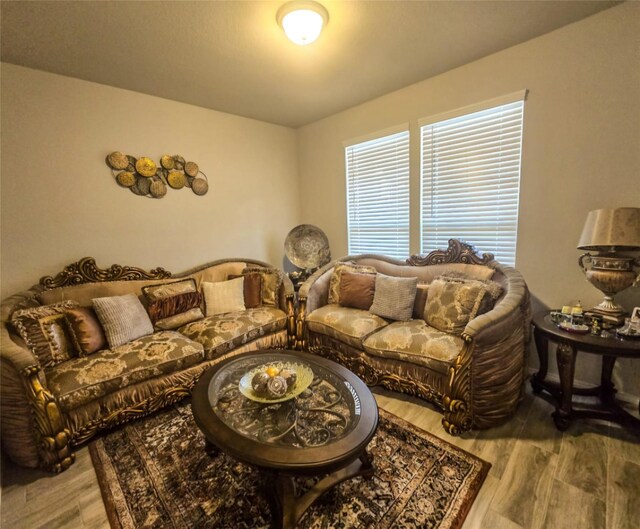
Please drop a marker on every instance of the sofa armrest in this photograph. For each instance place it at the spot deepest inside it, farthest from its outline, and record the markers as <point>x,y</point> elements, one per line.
<point>34,430</point>
<point>287,304</point>
<point>313,294</point>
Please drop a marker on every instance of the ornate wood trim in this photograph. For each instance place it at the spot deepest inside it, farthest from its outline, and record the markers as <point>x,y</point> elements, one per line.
<point>301,324</point>
<point>291,321</point>
<point>457,410</point>
<point>87,271</point>
<point>51,431</point>
<point>375,377</point>
<point>457,252</point>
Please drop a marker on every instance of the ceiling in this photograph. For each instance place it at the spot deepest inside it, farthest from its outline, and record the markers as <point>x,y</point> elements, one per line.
<point>233,57</point>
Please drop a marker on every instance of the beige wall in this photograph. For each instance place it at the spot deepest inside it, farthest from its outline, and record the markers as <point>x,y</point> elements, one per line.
<point>60,202</point>
<point>581,148</point>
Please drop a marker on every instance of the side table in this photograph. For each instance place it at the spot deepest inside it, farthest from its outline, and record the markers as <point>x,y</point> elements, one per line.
<point>568,347</point>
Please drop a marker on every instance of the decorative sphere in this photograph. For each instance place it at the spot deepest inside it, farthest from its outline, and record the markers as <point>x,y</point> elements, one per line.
<point>276,387</point>
<point>259,383</point>
<point>289,376</point>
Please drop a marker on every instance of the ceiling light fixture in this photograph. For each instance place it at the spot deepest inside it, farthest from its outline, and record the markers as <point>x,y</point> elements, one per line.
<point>302,21</point>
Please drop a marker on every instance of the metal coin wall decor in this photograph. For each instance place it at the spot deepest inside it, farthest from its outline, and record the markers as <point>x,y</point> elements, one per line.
<point>146,178</point>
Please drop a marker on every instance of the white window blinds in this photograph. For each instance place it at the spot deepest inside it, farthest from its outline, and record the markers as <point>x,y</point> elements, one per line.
<point>378,195</point>
<point>470,180</point>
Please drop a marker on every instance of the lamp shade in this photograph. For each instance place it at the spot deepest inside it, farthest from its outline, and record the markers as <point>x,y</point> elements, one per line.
<point>609,229</point>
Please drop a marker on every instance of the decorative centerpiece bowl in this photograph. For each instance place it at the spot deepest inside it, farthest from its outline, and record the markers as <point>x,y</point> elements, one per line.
<point>275,382</point>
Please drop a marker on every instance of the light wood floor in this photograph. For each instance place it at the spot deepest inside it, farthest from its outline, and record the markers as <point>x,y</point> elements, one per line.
<point>588,477</point>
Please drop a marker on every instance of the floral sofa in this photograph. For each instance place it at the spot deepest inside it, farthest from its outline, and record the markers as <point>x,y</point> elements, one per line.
<point>475,376</point>
<point>46,410</point>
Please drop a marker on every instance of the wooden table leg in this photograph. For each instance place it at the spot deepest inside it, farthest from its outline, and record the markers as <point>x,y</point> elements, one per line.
<point>607,390</point>
<point>566,357</point>
<point>287,509</point>
<point>542,346</point>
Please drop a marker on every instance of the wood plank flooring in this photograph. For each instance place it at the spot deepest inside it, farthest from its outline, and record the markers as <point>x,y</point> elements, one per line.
<point>587,477</point>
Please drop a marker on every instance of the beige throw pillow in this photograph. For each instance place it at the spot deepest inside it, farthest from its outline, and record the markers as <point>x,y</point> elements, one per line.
<point>123,318</point>
<point>224,296</point>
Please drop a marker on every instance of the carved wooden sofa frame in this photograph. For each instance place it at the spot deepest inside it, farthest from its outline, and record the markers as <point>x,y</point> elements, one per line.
<point>20,369</point>
<point>486,380</point>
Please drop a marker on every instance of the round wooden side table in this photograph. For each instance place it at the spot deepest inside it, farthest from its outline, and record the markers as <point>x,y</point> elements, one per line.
<point>569,345</point>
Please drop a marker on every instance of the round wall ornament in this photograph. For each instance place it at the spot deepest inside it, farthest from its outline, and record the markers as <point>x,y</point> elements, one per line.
<point>146,166</point>
<point>191,168</point>
<point>117,160</point>
<point>167,162</point>
<point>199,186</point>
<point>126,178</point>
<point>176,179</point>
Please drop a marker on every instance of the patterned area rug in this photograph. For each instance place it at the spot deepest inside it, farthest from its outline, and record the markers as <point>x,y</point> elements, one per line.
<point>155,473</point>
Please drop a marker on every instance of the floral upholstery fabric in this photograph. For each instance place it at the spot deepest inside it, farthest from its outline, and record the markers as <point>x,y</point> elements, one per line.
<point>223,332</point>
<point>452,302</point>
<point>416,342</point>
<point>79,381</point>
<point>348,325</point>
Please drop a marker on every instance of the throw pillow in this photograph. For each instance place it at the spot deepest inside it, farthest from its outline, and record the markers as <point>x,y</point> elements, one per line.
<point>334,283</point>
<point>453,302</point>
<point>178,320</point>
<point>123,318</point>
<point>224,296</point>
<point>86,332</point>
<point>271,281</point>
<point>45,331</point>
<point>357,290</point>
<point>422,292</point>
<point>394,297</point>
<point>252,289</point>
<point>166,290</point>
<point>169,302</point>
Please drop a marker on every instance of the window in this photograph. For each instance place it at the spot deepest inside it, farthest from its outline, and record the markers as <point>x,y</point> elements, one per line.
<point>470,177</point>
<point>378,195</point>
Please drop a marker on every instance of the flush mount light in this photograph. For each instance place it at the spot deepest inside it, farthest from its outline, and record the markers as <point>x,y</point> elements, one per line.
<point>302,21</point>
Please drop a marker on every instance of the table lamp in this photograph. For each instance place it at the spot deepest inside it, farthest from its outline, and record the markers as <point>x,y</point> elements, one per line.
<point>610,232</point>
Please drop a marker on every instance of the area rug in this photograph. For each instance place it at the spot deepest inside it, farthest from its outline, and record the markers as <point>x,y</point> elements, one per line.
<point>155,473</point>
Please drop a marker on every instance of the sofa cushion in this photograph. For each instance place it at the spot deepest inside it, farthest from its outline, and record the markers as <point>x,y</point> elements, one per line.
<point>252,289</point>
<point>357,290</point>
<point>85,330</point>
<point>46,332</point>
<point>415,342</point>
<point>348,325</point>
<point>224,332</point>
<point>452,302</point>
<point>271,281</point>
<point>163,308</point>
<point>394,297</point>
<point>422,291</point>
<point>123,318</point>
<point>336,276</point>
<point>166,290</point>
<point>224,296</point>
<point>81,380</point>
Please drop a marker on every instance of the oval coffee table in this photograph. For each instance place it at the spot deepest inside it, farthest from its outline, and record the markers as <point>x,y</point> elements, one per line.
<point>323,431</point>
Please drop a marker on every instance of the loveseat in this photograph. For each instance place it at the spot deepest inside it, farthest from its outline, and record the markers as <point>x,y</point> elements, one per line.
<point>475,375</point>
<point>48,408</point>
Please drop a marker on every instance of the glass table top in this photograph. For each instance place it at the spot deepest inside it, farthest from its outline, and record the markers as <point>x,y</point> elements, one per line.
<point>327,410</point>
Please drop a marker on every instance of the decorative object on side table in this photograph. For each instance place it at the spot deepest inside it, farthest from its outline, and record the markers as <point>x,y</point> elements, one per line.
<point>307,247</point>
<point>609,232</point>
<point>606,345</point>
<point>145,178</point>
